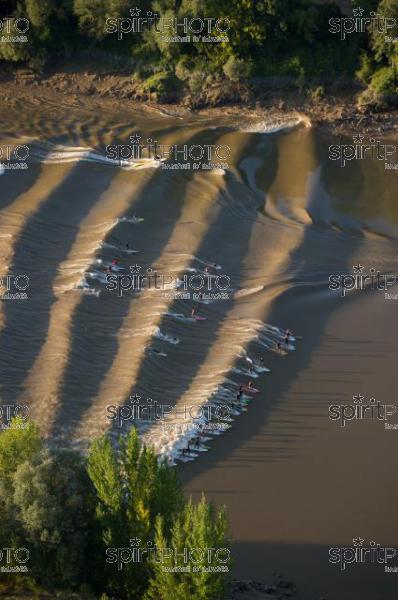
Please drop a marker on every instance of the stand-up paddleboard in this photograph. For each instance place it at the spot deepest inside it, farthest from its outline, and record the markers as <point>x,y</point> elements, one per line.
<point>258,366</point>
<point>294,338</point>
<point>199,318</point>
<point>134,220</point>
<point>164,337</point>
<point>289,347</point>
<point>179,317</point>
<point>118,248</point>
<point>246,399</point>
<point>234,411</point>
<point>204,438</point>
<point>156,352</point>
<point>250,390</point>
<point>201,448</point>
<point>244,372</point>
<point>261,369</point>
<point>219,431</point>
<point>190,454</point>
<point>184,458</point>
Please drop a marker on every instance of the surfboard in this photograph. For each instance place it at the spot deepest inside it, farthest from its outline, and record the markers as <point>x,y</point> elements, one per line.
<point>250,390</point>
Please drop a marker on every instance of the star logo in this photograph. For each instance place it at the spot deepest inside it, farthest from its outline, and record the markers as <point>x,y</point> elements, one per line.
<point>357,12</point>
<point>358,542</point>
<point>135,542</point>
<point>358,138</point>
<point>358,399</point>
<point>135,269</point>
<point>358,269</point>
<point>135,399</point>
<point>135,139</point>
<point>135,12</point>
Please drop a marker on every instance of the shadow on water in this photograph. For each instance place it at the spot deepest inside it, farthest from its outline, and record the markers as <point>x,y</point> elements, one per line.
<point>56,226</point>
<point>223,232</point>
<point>93,351</point>
<point>14,183</point>
<point>303,312</point>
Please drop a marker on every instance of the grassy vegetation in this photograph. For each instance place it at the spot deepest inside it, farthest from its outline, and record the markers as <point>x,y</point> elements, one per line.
<point>285,39</point>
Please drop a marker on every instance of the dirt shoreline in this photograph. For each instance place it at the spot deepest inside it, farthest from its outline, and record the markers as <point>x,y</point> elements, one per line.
<point>333,113</point>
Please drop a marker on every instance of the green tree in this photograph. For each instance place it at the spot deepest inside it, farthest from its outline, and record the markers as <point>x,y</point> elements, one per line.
<point>193,560</point>
<point>19,443</point>
<point>52,502</point>
<point>132,489</point>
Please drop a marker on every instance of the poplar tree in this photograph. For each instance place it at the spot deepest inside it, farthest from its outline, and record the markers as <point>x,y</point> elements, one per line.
<point>193,560</point>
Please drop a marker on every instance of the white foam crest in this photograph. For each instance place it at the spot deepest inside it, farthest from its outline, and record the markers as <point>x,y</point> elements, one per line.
<point>70,154</point>
<point>275,124</point>
<point>216,389</point>
<point>248,291</point>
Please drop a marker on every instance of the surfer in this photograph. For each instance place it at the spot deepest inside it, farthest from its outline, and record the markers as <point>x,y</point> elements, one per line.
<point>286,339</point>
<point>279,348</point>
<point>193,312</point>
<point>156,351</point>
<point>250,384</point>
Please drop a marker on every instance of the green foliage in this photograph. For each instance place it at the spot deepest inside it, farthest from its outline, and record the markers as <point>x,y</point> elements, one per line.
<point>367,68</point>
<point>51,500</point>
<point>93,15</point>
<point>202,534</point>
<point>379,66</point>
<point>282,38</point>
<point>18,444</point>
<point>67,511</point>
<point>383,49</point>
<point>165,85</point>
<point>236,69</point>
<point>382,90</point>
<point>132,489</point>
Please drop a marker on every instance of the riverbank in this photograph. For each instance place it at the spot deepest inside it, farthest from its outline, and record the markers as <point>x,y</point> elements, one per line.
<point>332,110</point>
